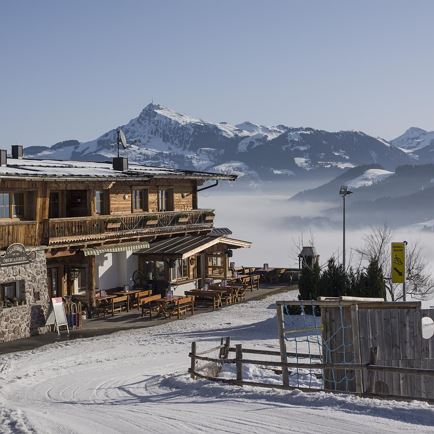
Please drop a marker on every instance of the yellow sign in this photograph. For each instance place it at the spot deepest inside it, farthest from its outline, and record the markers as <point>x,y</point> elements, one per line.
<point>398,262</point>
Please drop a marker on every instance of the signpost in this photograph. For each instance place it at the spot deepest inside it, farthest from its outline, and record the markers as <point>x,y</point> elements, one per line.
<point>398,264</point>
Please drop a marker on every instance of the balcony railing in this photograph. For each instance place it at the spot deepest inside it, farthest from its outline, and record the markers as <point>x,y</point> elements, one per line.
<point>66,230</point>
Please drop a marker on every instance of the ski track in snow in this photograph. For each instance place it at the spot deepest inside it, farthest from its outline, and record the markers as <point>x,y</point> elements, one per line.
<point>136,381</point>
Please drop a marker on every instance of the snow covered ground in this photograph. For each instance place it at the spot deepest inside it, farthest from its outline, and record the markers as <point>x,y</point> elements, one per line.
<point>136,381</point>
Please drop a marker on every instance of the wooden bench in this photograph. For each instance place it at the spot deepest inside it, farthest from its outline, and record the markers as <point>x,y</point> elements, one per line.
<point>118,303</point>
<point>241,295</point>
<point>255,281</point>
<point>140,296</point>
<point>149,303</point>
<point>207,296</point>
<point>183,305</point>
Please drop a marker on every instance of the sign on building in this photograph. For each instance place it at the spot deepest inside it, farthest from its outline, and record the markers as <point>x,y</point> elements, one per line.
<point>398,262</point>
<point>16,254</point>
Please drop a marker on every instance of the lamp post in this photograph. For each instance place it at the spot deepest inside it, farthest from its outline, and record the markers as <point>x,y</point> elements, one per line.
<point>344,192</point>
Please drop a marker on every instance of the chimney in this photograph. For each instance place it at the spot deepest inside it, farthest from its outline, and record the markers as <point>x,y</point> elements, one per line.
<point>120,163</point>
<point>17,152</point>
<point>3,157</point>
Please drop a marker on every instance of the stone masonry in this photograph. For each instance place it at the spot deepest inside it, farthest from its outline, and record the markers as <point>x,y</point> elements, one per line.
<point>27,320</point>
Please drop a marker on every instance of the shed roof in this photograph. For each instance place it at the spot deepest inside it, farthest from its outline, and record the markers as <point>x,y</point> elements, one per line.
<point>186,246</point>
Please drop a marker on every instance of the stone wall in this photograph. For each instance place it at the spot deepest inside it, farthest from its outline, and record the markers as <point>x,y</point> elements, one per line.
<point>26,320</point>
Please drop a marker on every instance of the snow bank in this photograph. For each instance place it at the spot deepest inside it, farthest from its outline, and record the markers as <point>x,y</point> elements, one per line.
<point>136,381</point>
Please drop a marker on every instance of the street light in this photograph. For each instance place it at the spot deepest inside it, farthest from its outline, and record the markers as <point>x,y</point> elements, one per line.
<point>343,191</point>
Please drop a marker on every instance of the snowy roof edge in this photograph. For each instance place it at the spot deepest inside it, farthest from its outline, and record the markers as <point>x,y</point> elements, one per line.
<point>92,170</point>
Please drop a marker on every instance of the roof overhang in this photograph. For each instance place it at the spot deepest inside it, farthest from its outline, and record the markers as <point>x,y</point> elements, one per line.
<point>115,248</point>
<point>187,246</point>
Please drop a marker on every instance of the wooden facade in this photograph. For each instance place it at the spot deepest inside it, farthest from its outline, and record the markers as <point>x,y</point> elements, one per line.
<point>73,210</point>
<point>49,217</point>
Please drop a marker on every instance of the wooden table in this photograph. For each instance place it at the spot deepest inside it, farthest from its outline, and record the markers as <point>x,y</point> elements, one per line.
<point>229,293</point>
<point>130,294</point>
<point>207,294</point>
<point>166,306</point>
<point>103,303</point>
<point>247,280</point>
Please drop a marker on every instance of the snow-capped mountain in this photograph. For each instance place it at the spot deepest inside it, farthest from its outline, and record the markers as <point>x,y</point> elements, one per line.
<point>161,136</point>
<point>414,139</point>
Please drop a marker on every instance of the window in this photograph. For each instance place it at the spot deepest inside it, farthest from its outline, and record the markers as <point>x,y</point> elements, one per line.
<point>12,204</point>
<point>100,202</point>
<point>180,270</point>
<point>4,205</point>
<point>165,199</point>
<point>82,280</point>
<point>17,205</point>
<point>54,207</point>
<point>12,294</point>
<point>215,265</point>
<point>159,270</point>
<point>140,199</point>
<point>53,282</point>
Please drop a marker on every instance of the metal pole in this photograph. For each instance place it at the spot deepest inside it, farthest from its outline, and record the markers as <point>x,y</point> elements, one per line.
<point>343,232</point>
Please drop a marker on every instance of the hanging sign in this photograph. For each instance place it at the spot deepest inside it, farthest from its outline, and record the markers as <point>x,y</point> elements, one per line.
<point>398,262</point>
<point>16,254</point>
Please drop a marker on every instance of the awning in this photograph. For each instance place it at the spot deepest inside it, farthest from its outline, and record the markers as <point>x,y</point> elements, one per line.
<point>113,248</point>
<point>186,246</point>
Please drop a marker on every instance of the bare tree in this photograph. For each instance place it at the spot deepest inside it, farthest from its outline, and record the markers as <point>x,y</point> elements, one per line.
<point>419,282</point>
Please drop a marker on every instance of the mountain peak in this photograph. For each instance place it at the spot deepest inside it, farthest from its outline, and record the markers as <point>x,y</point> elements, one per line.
<point>413,139</point>
<point>153,110</point>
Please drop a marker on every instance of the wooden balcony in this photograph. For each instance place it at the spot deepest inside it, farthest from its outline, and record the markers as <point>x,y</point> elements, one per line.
<point>111,227</point>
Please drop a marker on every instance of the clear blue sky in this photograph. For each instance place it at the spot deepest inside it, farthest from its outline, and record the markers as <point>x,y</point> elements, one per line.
<point>74,69</point>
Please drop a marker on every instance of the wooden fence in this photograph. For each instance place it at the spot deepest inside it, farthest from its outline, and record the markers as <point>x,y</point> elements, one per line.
<point>383,338</point>
<point>370,373</point>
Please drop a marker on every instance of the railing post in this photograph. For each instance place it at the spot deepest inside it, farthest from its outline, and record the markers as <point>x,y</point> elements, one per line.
<point>283,355</point>
<point>224,350</point>
<point>193,360</point>
<point>239,363</point>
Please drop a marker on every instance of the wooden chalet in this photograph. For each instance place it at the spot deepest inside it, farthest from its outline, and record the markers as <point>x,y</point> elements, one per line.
<point>89,226</point>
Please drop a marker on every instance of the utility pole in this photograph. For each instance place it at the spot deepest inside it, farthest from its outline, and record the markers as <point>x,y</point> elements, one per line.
<point>344,192</point>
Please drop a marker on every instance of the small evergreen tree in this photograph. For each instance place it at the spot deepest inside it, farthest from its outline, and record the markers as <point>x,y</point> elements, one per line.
<point>308,283</point>
<point>334,281</point>
<point>375,285</point>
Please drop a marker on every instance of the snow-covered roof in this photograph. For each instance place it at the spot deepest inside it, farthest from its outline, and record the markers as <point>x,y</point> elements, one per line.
<point>65,169</point>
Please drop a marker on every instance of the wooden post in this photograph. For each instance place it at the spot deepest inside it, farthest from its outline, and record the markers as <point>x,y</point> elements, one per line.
<point>283,355</point>
<point>92,282</point>
<point>358,373</point>
<point>239,362</point>
<point>224,351</point>
<point>193,360</point>
<point>227,345</point>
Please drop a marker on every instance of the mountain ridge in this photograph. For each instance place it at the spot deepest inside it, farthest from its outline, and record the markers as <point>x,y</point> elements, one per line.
<point>161,136</point>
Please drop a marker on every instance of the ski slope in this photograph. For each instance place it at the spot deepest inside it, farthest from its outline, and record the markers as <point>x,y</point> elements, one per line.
<point>136,381</point>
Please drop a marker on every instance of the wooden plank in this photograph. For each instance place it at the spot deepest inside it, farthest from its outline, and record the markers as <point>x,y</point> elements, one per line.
<point>282,344</point>
<point>193,360</point>
<point>359,386</point>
